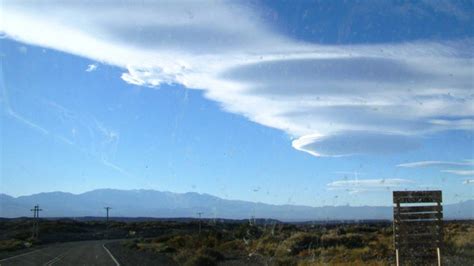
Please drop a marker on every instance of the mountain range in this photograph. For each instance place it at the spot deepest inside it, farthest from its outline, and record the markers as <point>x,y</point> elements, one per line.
<point>158,204</point>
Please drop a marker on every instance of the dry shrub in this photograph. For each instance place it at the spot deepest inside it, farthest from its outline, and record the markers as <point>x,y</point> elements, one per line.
<point>350,240</point>
<point>298,242</point>
<point>203,256</point>
<point>11,245</point>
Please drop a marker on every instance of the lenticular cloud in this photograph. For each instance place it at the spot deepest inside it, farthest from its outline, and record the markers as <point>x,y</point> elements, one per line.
<point>332,99</point>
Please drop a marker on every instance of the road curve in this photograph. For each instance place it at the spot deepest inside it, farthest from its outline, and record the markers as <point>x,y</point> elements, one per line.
<point>71,253</point>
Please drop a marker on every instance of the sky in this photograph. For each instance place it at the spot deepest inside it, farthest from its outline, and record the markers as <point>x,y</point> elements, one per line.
<point>308,102</point>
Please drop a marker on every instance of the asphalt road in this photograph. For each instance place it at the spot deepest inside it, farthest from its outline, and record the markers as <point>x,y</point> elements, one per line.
<point>71,253</point>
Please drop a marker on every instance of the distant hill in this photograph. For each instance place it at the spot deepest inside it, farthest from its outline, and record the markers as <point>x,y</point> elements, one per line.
<point>152,203</point>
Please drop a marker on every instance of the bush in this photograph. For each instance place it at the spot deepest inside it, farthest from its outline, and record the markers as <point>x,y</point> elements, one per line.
<point>286,261</point>
<point>201,260</point>
<point>298,242</point>
<point>132,244</point>
<point>248,231</point>
<point>347,240</point>
<point>233,246</point>
<point>212,253</point>
<point>179,241</point>
<point>11,245</point>
<point>204,256</point>
<point>163,248</point>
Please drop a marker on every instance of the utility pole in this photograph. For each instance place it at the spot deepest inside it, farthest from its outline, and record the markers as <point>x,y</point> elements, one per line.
<point>199,213</point>
<point>107,210</point>
<point>36,209</point>
<point>107,222</point>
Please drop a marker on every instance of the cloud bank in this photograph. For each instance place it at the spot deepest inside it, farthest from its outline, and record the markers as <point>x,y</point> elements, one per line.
<point>436,164</point>
<point>367,185</point>
<point>469,164</point>
<point>460,172</point>
<point>333,100</point>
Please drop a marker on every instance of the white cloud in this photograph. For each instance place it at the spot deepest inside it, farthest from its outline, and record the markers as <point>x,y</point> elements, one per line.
<point>468,182</point>
<point>460,172</point>
<point>332,99</point>
<point>436,164</point>
<point>389,182</point>
<point>355,142</point>
<point>91,67</point>
<point>469,163</point>
<point>366,185</point>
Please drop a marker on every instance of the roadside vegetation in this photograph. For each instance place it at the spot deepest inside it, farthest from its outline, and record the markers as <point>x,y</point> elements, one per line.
<point>265,242</point>
<point>288,244</point>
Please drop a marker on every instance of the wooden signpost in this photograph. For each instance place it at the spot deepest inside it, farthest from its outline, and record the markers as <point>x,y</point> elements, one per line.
<point>418,227</point>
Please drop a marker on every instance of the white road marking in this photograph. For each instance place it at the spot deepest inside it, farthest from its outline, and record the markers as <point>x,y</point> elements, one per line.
<point>56,259</point>
<point>110,254</point>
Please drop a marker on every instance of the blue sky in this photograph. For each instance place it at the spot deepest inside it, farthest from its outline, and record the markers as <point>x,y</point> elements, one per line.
<point>286,104</point>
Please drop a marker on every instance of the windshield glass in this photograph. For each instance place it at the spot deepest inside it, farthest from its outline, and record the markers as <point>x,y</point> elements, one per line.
<point>236,131</point>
